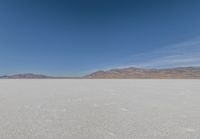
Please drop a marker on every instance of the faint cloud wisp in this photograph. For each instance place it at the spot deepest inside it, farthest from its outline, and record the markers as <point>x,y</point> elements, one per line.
<point>184,54</point>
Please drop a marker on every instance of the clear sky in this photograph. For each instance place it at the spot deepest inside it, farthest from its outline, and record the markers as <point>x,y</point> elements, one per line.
<point>74,37</point>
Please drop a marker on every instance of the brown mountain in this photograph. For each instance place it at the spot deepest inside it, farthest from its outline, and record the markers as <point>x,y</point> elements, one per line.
<point>140,73</point>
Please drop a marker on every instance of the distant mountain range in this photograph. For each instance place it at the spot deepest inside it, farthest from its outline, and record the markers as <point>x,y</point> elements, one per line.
<point>124,73</point>
<point>140,73</point>
<point>32,76</point>
<point>25,76</point>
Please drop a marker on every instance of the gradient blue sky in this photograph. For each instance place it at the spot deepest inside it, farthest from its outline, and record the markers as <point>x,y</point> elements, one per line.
<point>74,37</point>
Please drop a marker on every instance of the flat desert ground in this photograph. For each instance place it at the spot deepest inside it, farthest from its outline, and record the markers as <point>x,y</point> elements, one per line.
<point>99,109</point>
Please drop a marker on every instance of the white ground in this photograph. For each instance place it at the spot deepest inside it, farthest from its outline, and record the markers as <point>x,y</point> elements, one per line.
<point>99,109</point>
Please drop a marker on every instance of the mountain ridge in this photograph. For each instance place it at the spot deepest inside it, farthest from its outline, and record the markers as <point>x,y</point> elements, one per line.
<point>123,73</point>
<point>143,73</point>
<point>33,76</point>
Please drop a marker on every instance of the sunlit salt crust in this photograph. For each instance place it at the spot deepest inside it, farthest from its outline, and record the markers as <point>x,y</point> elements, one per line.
<point>99,109</point>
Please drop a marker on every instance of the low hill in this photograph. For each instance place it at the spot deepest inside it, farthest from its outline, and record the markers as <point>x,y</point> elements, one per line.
<point>25,76</point>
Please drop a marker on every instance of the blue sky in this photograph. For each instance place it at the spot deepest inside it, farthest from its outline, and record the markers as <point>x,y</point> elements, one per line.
<point>75,37</point>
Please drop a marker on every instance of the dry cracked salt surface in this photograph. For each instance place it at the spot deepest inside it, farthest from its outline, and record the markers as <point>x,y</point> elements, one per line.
<point>99,109</point>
